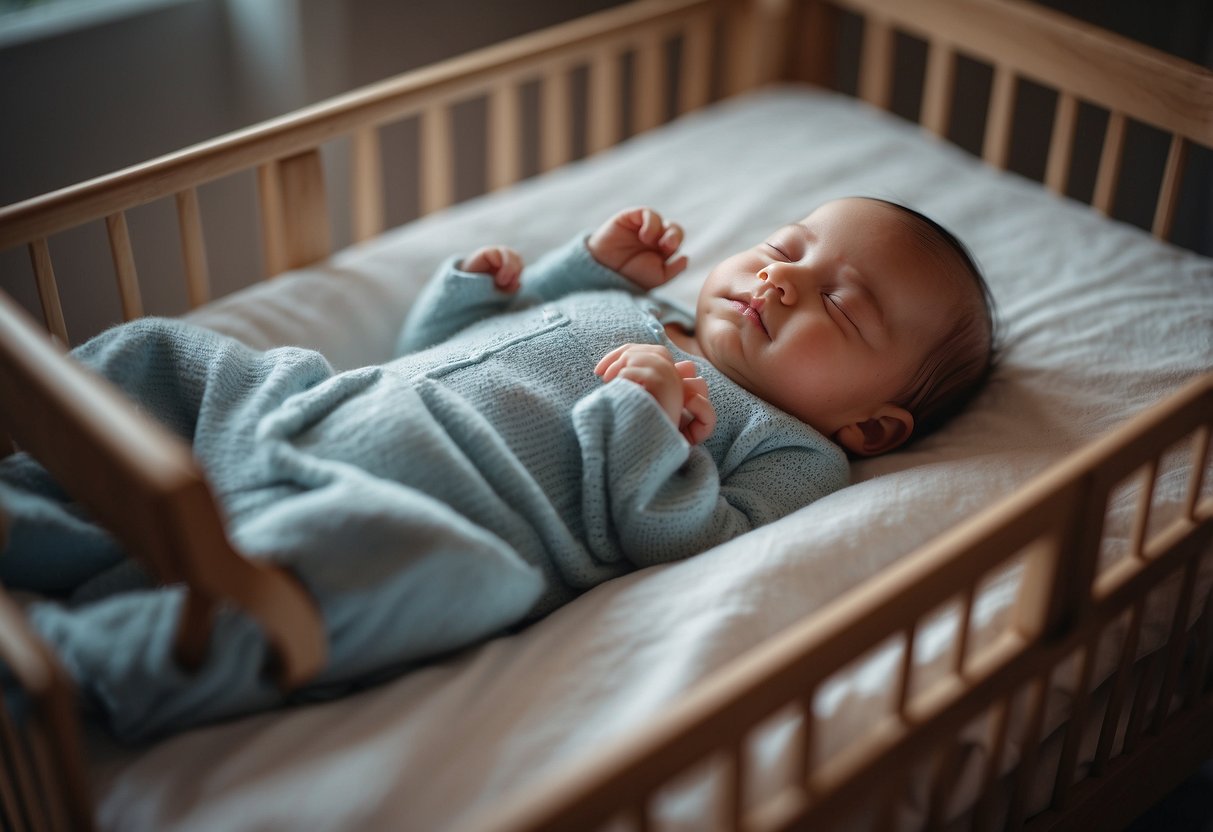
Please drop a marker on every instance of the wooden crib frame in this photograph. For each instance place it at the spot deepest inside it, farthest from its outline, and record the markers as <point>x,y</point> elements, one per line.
<point>144,484</point>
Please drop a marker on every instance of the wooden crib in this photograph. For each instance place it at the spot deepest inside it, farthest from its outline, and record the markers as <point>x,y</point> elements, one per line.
<point>681,54</point>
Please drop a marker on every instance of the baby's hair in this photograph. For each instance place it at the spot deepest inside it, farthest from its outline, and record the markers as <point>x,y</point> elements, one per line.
<point>960,363</point>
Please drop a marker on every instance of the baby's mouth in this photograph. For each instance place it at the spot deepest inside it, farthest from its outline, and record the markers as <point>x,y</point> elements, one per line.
<point>750,311</point>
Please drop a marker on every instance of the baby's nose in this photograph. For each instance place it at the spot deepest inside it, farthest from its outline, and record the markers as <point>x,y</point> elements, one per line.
<point>781,279</point>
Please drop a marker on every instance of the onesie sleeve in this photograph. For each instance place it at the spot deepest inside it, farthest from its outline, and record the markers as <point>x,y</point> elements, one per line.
<point>454,299</point>
<point>649,496</point>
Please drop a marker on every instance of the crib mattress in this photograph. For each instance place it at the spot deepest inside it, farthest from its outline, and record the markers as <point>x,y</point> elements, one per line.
<point>1099,320</point>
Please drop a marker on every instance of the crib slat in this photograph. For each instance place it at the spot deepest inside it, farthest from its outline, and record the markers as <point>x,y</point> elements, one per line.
<point>875,69</point>
<point>193,249</point>
<point>937,88</point>
<point>48,289</point>
<point>366,184</point>
<point>1025,771</point>
<point>1168,194</point>
<point>649,93</point>
<point>696,67</point>
<point>1177,645</point>
<point>1200,458</point>
<point>999,720</point>
<point>1141,702</point>
<point>556,142</point>
<point>943,782</point>
<point>437,163</point>
<point>505,135</point>
<point>1061,143</point>
<point>605,128</point>
<point>304,209</point>
<point>124,266</point>
<point>53,811</point>
<point>1074,727</point>
<point>906,673</point>
<point>804,760</point>
<point>1120,689</point>
<point>962,634</point>
<point>997,141</point>
<point>1200,663</point>
<point>269,200</point>
<point>1141,518</point>
<point>1109,163</point>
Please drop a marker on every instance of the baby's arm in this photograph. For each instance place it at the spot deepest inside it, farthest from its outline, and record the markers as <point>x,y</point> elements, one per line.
<point>463,292</point>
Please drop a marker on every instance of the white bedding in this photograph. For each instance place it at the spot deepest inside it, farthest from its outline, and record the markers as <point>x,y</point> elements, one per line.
<point>1099,320</point>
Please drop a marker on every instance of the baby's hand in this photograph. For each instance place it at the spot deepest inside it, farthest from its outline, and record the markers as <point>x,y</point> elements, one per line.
<point>639,245</point>
<point>675,387</point>
<point>502,263</point>
<point>698,418</point>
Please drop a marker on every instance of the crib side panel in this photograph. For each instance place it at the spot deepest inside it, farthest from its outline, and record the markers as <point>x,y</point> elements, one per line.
<point>1049,533</point>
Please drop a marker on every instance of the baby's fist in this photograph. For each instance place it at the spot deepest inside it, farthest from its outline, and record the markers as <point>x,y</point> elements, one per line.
<point>503,264</point>
<point>640,245</point>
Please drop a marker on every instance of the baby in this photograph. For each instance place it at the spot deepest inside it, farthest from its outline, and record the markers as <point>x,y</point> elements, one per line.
<point>540,433</point>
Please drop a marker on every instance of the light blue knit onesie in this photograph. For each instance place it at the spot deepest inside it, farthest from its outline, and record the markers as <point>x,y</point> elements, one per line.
<point>475,483</point>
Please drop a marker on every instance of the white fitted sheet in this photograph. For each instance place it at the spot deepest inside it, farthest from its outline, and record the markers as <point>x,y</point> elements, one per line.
<point>1099,320</point>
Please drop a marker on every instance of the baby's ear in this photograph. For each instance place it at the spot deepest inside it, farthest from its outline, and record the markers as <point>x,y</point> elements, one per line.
<point>885,430</point>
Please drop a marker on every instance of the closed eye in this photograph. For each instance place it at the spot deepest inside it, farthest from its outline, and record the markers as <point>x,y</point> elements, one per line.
<point>782,254</point>
<point>833,299</point>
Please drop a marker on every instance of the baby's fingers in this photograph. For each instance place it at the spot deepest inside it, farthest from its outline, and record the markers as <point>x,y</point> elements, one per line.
<point>702,421</point>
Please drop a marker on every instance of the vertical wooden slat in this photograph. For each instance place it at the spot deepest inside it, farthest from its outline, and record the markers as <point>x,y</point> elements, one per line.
<point>1109,164</point>
<point>48,290</point>
<point>556,141</point>
<point>366,165</point>
<point>124,266</point>
<point>962,634</point>
<point>1061,143</point>
<point>1200,458</point>
<point>695,65</point>
<point>1000,719</point>
<point>1074,726</point>
<point>906,673</point>
<point>304,209</point>
<point>997,141</point>
<point>604,115</point>
<point>876,62</point>
<point>1141,702</point>
<point>193,249</point>
<point>273,237</point>
<point>1177,645</point>
<point>943,783</point>
<point>437,159</point>
<point>1168,193</point>
<point>1141,518</point>
<point>1120,689</point>
<point>54,811</point>
<point>1025,772</point>
<point>1200,662</point>
<point>937,88</point>
<point>648,99</point>
<point>505,135</point>
<point>815,48</point>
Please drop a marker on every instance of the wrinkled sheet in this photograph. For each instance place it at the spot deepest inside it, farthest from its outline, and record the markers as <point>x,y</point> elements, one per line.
<point>1099,321</point>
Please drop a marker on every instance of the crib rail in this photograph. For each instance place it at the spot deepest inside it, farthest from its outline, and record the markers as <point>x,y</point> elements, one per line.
<point>1053,530</point>
<point>1080,62</point>
<point>143,484</point>
<point>286,152</point>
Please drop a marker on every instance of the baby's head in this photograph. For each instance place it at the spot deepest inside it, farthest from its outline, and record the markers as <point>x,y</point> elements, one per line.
<point>866,320</point>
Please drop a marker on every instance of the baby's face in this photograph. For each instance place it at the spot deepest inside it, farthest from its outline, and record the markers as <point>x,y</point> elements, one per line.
<point>829,318</point>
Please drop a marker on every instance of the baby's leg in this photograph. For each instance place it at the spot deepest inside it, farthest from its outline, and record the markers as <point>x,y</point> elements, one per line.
<point>399,578</point>
<point>184,377</point>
